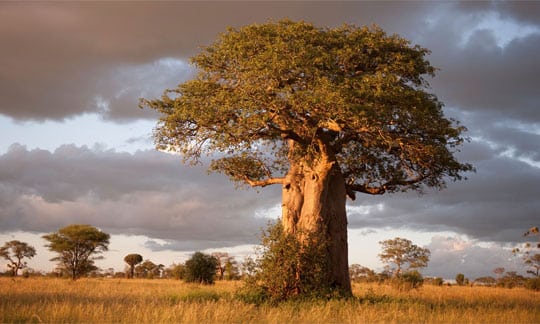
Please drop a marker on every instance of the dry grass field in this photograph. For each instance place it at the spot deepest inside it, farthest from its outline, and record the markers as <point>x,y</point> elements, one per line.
<point>46,300</point>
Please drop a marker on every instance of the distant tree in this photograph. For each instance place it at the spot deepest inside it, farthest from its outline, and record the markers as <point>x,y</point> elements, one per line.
<point>485,281</point>
<point>76,246</point>
<point>227,267</point>
<point>437,281</point>
<point>201,268</point>
<point>324,113</point>
<point>511,279</point>
<point>530,253</point>
<point>176,271</point>
<point>361,273</point>
<point>149,270</point>
<point>14,252</point>
<point>132,260</point>
<point>400,254</point>
<point>232,272</point>
<point>460,279</point>
<point>119,274</point>
<point>408,280</point>
<point>222,258</point>
<point>533,283</point>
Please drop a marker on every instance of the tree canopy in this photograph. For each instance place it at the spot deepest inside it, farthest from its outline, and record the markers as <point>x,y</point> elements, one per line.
<point>132,260</point>
<point>14,252</point>
<point>356,92</point>
<point>76,246</point>
<point>401,254</point>
<point>201,268</point>
<point>325,112</point>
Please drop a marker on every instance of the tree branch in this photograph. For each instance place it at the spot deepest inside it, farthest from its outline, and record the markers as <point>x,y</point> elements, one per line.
<point>263,183</point>
<point>379,190</point>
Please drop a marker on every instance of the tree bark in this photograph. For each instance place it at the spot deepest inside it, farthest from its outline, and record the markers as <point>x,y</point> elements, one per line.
<point>314,199</point>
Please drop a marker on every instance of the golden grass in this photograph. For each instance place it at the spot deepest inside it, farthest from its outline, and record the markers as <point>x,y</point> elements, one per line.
<point>48,300</point>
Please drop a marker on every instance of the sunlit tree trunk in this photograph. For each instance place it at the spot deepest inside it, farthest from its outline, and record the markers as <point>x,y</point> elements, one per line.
<point>314,199</point>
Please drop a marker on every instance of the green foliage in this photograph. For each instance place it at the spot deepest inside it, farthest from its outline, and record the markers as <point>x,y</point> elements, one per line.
<point>511,279</point>
<point>14,252</point>
<point>176,271</point>
<point>357,91</point>
<point>400,254</point>
<point>286,268</point>
<point>75,246</point>
<point>149,270</point>
<point>271,97</point>
<point>533,284</point>
<point>460,279</point>
<point>358,273</point>
<point>132,260</point>
<point>485,281</point>
<point>437,281</point>
<point>408,280</point>
<point>201,268</point>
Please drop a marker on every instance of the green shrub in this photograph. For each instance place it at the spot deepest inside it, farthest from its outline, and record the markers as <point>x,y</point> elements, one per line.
<point>533,284</point>
<point>201,268</point>
<point>408,280</point>
<point>460,279</point>
<point>285,268</point>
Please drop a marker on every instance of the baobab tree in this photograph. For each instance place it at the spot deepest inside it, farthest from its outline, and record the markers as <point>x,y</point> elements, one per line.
<point>132,260</point>
<point>325,113</point>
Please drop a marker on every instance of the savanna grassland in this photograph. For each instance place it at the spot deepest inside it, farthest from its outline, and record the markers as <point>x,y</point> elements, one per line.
<point>47,300</point>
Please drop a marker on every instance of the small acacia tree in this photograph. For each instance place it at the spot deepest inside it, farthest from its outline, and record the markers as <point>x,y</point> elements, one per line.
<point>14,252</point>
<point>200,268</point>
<point>76,246</point>
<point>401,254</point>
<point>132,260</point>
<point>325,113</point>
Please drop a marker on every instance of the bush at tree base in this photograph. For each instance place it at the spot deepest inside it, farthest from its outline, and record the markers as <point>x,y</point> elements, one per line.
<point>287,269</point>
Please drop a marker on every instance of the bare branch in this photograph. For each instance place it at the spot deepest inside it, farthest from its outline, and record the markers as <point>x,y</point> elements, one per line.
<point>265,182</point>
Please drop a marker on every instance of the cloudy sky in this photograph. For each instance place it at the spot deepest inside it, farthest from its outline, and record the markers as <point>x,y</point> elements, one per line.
<point>75,148</point>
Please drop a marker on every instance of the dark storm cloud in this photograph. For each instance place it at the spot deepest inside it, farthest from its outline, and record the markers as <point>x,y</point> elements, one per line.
<point>64,59</point>
<point>484,77</point>
<point>147,193</point>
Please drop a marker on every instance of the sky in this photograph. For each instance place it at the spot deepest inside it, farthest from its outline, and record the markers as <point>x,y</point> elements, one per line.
<point>76,149</point>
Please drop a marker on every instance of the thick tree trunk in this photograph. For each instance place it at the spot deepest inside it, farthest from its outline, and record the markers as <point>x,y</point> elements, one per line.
<point>314,199</point>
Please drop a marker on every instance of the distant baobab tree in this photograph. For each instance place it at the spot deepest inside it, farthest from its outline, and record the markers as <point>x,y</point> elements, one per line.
<point>132,260</point>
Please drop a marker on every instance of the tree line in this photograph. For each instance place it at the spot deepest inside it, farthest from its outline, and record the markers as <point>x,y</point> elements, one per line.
<point>78,246</point>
